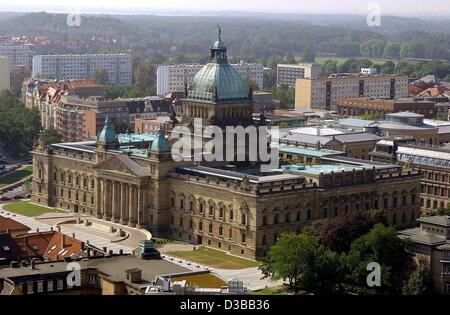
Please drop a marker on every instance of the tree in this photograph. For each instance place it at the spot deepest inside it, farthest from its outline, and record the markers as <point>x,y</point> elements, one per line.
<point>145,77</point>
<point>383,246</point>
<point>251,83</point>
<point>309,55</point>
<point>388,68</point>
<point>349,66</point>
<point>338,233</point>
<point>419,283</point>
<point>270,78</point>
<point>329,67</point>
<point>101,76</point>
<point>305,263</point>
<point>392,50</point>
<point>50,136</point>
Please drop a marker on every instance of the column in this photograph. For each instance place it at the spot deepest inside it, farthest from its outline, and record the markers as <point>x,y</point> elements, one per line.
<point>104,199</point>
<point>115,202</point>
<point>140,204</point>
<point>107,201</point>
<point>132,207</point>
<point>123,203</point>
<point>98,200</point>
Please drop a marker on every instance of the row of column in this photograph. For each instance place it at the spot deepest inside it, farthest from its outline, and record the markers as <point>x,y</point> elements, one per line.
<point>120,202</point>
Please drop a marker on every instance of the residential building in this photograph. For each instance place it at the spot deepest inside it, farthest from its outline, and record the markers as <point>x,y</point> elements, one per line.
<point>151,126</point>
<point>287,74</point>
<point>173,78</point>
<point>18,55</point>
<point>378,108</point>
<point>431,248</point>
<point>79,67</point>
<point>5,75</point>
<point>18,75</point>
<point>442,110</point>
<point>326,93</point>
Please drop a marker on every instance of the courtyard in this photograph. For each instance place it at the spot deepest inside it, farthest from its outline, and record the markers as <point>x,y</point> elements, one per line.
<point>28,209</point>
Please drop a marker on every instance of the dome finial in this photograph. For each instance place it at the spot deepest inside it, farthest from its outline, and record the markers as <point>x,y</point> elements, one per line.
<point>219,32</point>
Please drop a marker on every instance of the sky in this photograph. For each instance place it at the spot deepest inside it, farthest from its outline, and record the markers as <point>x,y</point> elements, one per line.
<point>418,8</point>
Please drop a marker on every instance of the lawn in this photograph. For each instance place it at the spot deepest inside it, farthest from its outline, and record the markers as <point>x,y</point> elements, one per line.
<point>15,176</point>
<point>340,60</point>
<point>215,258</point>
<point>28,209</point>
<point>280,290</point>
<point>204,280</point>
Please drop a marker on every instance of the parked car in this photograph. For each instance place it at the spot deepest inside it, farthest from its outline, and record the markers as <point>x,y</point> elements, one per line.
<point>4,198</point>
<point>18,197</point>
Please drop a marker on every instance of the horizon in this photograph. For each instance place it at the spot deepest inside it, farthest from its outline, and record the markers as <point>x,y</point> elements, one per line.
<point>401,8</point>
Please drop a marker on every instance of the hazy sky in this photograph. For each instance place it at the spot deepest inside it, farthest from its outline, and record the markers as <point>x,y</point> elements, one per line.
<point>404,7</point>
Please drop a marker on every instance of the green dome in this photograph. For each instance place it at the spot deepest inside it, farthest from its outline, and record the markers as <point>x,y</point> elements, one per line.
<point>108,134</point>
<point>218,80</point>
<point>160,144</point>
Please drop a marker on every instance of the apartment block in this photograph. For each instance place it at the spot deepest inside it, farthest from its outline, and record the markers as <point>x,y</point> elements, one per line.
<point>326,93</point>
<point>172,78</point>
<point>77,67</point>
<point>287,74</point>
<point>18,55</point>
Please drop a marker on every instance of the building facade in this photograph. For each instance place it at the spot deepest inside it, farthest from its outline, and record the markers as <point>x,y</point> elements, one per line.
<point>174,77</point>
<point>76,67</point>
<point>287,74</point>
<point>18,55</point>
<point>326,93</point>
<point>379,108</point>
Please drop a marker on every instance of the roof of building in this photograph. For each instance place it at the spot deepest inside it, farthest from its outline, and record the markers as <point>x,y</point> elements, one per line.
<point>437,220</point>
<point>424,152</point>
<point>434,91</point>
<point>355,122</point>
<point>317,131</point>
<point>33,245</point>
<point>307,151</point>
<point>405,114</point>
<point>218,80</point>
<point>423,237</point>
<point>7,249</point>
<point>8,224</point>
<point>62,246</point>
<point>161,144</point>
<point>108,134</point>
<point>357,137</point>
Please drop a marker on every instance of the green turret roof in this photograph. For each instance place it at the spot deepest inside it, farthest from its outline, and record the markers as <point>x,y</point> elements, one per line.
<point>108,134</point>
<point>160,144</point>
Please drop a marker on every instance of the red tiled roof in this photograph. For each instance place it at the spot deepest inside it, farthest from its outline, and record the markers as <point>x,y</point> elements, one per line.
<point>7,224</point>
<point>55,250</point>
<point>33,245</point>
<point>436,91</point>
<point>77,84</point>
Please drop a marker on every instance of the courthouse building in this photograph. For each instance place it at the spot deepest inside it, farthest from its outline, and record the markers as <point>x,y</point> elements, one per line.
<point>133,179</point>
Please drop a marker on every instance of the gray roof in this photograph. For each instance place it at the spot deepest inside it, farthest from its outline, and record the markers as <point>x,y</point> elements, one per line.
<point>405,114</point>
<point>132,165</point>
<point>355,122</point>
<point>357,137</point>
<point>438,220</point>
<point>419,236</point>
<point>309,139</point>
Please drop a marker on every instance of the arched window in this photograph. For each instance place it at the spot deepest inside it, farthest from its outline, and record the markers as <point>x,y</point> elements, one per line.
<point>287,218</point>
<point>200,226</point>
<point>264,221</point>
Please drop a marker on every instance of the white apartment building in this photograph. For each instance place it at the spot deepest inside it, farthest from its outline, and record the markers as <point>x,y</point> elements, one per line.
<point>287,74</point>
<point>5,74</point>
<point>172,78</point>
<point>325,93</point>
<point>18,55</point>
<point>78,67</point>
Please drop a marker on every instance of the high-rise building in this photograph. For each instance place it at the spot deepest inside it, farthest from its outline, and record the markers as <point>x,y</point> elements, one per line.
<point>18,55</point>
<point>174,77</point>
<point>288,74</point>
<point>4,74</point>
<point>326,93</point>
<point>79,67</point>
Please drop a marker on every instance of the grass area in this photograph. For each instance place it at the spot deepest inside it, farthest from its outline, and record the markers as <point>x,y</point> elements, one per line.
<point>205,280</point>
<point>28,209</point>
<point>215,258</point>
<point>160,242</point>
<point>280,290</point>
<point>340,60</point>
<point>15,176</point>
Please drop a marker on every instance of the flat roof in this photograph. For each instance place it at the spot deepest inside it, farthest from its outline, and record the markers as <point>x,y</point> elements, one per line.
<point>307,151</point>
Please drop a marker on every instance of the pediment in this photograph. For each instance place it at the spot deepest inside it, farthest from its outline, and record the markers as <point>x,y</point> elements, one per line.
<point>122,164</point>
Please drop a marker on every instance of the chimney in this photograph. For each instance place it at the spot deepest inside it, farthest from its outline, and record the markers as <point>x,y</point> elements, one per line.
<point>121,252</point>
<point>51,228</point>
<point>105,249</point>
<point>111,252</point>
<point>33,264</point>
<point>63,241</point>
<point>73,235</point>
<point>59,228</point>
<point>37,230</point>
